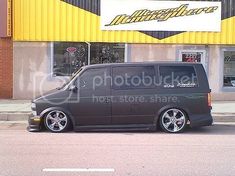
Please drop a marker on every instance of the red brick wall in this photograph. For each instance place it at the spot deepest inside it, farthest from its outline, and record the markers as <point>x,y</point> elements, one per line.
<point>6,68</point>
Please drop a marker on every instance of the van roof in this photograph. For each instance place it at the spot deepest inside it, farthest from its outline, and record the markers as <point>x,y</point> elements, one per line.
<point>143,63</point>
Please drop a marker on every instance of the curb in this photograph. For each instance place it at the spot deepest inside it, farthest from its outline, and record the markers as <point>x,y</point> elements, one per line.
<point>23,116</point>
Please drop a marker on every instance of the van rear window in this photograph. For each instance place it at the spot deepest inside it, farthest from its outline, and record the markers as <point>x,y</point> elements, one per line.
<point>178,76</point>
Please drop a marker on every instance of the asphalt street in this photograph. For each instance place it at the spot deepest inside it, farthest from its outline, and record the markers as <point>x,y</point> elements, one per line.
<point>208,151</point>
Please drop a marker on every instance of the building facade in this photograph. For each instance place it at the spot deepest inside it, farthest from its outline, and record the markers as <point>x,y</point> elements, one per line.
<point>6,50</point>
<point>53,38</point>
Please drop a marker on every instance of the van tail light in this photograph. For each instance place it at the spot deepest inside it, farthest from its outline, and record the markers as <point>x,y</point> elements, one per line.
<point>209,99</point>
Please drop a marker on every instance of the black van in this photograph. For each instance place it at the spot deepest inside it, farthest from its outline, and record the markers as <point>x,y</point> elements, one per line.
<point>127,96</point>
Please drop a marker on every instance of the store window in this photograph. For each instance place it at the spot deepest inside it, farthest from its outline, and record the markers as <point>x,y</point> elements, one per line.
<point>68,57</point>
<point>197,56</point>
<point>229,68</point>
<point>191,56</point>
<point>107,53</point>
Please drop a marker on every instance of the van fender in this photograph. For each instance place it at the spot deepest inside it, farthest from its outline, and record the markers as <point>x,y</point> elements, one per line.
<point>45,111</point>
<point>164,108</point>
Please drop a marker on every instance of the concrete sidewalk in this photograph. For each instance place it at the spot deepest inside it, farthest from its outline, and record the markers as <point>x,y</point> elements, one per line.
<point>14,110</point>
<point>223,111</point>
<point>18,110</point>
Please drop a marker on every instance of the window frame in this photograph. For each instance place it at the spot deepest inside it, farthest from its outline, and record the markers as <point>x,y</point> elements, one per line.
<point>90,69</point>
<point>225,88</point>
<point>195,70</point>
<point>150,87</point>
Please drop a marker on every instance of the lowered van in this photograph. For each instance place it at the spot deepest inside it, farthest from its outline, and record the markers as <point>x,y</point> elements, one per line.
<point>127,96</point>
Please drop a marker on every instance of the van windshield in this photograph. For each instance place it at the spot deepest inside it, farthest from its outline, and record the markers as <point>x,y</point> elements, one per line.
<point>71,78</point>
<point>75,73</point>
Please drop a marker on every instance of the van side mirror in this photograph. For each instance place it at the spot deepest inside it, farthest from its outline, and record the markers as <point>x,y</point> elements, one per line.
<point>73,88</point>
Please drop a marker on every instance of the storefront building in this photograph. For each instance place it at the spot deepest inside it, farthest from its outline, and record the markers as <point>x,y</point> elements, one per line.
<point>6,52</point>
<point>53,38</point>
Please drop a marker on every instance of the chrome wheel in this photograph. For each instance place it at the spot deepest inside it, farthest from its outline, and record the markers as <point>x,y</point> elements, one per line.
<point>56,121</point>
<point>173,120</point>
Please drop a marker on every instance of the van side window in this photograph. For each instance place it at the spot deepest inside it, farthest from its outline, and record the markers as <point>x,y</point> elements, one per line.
<point>178,76</point>
<point>133,77</point>
<point>93,79</point>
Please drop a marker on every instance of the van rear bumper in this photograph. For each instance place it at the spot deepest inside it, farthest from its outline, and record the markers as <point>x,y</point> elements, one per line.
<point>201,120</point>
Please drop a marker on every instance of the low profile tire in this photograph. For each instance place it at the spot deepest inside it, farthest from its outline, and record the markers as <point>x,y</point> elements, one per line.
<point>57,121</point>
<point>173,120</point>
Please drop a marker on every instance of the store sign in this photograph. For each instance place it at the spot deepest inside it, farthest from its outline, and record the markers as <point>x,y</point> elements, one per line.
<point>192,57</point>
<point>149,15</point>
<point>5,18</point>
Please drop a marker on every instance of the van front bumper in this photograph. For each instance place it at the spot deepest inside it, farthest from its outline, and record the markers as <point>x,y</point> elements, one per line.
<point>201,120</point>
<point>34,123</point>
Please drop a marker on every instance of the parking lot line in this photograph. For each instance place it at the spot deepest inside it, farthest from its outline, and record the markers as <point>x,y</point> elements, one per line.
<point>78,170</point>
